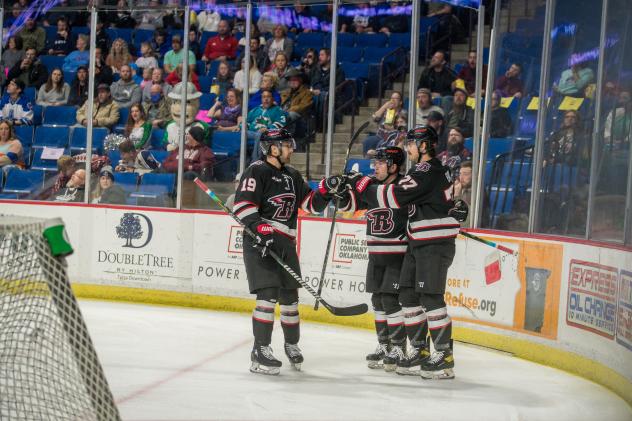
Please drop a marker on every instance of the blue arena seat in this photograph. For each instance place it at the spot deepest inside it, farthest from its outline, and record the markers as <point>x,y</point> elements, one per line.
<point>154,186</point>
<point>227,143</point>
<point>56,136</point>
<point>78,139</point>
<point>39,163</point>
<point>142,35</point>
<point>206,35</point>
<point>124,33</point>
<point>122,121</point>
<point>356,70</point>
<point>127,180</point>
<point>350,54</point>
<point>156,139</point>
<point>62,115</point>
<point>160,156</point>
<point>24,134</point>
<point>23,182</point>
<point>50,62</point>
<point>345,39</point>
<point>205,84</point>
<point>372,40</point>
<point>310,39</point>
<point>376,54</point>
<point>401,39</point>
<point>206,101</point>
<point>30,94</point>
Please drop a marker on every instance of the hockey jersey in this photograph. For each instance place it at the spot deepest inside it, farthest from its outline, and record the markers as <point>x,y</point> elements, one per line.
<point>427,190</point>
<point>385,227</point>
<point>272,195</point>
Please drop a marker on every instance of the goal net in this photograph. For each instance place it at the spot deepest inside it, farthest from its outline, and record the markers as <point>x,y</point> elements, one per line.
<point>49,369</point>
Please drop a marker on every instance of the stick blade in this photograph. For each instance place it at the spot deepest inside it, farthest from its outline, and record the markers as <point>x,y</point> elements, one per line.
<point>348,311</point>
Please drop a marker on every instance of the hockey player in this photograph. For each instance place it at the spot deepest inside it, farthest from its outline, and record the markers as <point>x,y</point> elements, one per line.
<point>267,201</point>
<point>431,232</point>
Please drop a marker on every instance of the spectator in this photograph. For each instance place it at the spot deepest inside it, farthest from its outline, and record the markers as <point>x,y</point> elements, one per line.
<point>194,43</point>
<point>279,43</point>
<point>105,112</point>
<point>10,148</point>
<point>223,80</point>
<point>574,81</point>
<point>16,11</point>
<point>255,77</point>
<point>159,42</point>
<point>103,39</point>
<point>303,18</point>
<point>74,189</point>
<point>119,55</point>
<point>208,18</point>
<point>254,34</point>
<point>463,187</point>
<point>30,70</point>
<point>362,23</point>
<point>79,89</point>
<point>148,56</point>
<point>156,107</point>
<point>138,129</point>
<point>102,72</point>
<point>619,123</point>
<point>15,108</point>
<point>174,57</point>
<point>123,17</point>
<point>146,79</point>
<point>308,62</point>
<point>461,116</point>
<point>66,166</point>
<point>436,121</point>
<point>568,145</point>
<point>268,82</point>
<point>281,69</point>
<point>296,101</point>
<point>510,84</point>
<point>425,106</point>
<point>437,76</point>
<point>227,115</point>
<point>174,19</point>
<point>501,124</point>
<point>107,192</point>
<point>319,79</point>
<point>62,44</point>
<point>223,46</point>
<point>33,36</point>
<point>456,153</point>
<point>175,77</point>
<point>198,158</point>
<point>156,79</point>
<point>13,52</point>
<point>386,118</point>
<point>150,19</point>
<point>79,57</point>
<point>259,55</point>
<point>125,91</point>
<point>55,91</point>
<point>140,162</point>
<point>468,75</point>
<point>395,20</point>
<point>264,117</point>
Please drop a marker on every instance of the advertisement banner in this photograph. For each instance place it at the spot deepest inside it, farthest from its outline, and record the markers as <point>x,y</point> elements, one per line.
<point>624,310</point>
<point>592,297</point>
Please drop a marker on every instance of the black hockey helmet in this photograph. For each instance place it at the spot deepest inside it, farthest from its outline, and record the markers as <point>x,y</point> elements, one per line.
<point>424,134</point>
<point>275,137</point>
<point>390,154</point>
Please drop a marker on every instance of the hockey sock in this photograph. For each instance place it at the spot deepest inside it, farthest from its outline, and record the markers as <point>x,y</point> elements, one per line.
<point>394,319</point>
<point>263,321</point>
<point>416,326</point>
<point>290,320</point>
<point>439,323</point>
<point>381,327</point>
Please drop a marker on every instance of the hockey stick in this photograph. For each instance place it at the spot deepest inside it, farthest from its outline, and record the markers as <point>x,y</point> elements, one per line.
<point>336,311</point>
<point>489,243</point>
<point>336,206</point>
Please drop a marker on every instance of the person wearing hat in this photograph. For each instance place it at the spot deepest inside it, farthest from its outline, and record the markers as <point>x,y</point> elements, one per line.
<point>425,106</point>
<point>198,158</point>
<point>296,101</point>
<point>107,192</point>
<point>79,87</point>
<point>105,112</point>
<point>15,108</point>
<point>460,116</point>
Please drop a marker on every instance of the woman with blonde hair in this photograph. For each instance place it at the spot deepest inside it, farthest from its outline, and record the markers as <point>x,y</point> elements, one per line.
<point>119,55</point>
<point>279,42</point>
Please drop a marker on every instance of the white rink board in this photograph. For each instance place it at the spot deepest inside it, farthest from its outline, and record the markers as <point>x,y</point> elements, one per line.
<point>200,252</point>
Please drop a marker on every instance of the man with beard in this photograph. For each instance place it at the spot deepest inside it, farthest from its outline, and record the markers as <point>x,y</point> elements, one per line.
<point>461,116</point>
<point>456,153</point>
<point>437,77</point>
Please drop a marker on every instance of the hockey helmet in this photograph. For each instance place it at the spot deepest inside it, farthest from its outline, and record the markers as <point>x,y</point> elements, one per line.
<point>275,137</point>
<point>390,154</point>
<point>424,134</point>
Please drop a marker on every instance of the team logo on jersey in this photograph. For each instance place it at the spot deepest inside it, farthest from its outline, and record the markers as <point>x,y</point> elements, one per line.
<point>289,182</point>
<point>284,203</point>
<point>381,220</point>
<point>411,210</point>
<point>423,167</point>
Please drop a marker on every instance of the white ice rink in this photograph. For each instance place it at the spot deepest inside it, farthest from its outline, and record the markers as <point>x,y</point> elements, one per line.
<point>182,364</point>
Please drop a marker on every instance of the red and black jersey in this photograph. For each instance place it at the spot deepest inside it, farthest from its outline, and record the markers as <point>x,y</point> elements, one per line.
<point>427,191</point>
<point>272,195</point>
<point>385,227</point>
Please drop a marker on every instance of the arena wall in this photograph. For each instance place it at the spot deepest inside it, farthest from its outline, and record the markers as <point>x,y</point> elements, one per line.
<point>564,303</point>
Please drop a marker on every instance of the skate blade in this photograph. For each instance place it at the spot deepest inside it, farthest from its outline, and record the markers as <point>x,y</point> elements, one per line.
<point>375,365</point>
<point>445,374</point>
<point>296,366</point>
<point>389,368</point>
<point>262,369</point>
<point>405,371</point>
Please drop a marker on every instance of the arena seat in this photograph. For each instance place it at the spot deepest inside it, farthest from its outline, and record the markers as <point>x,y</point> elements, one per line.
<point>311,39</point>
<point>122,121</point>
<point>346,39</point>
<point>50,62</point>
<point>399,39</point>
<point>23,182</point>
<point>227,143</point>
<point>376,54</point>
<point>154,186</point>
<point>363,165</point>
<point>123,33</point>
<point>372,40</point>
<point>49,165</point>
<point>207,100</point>
<point>127,180</point>
<point>156,139</point>
<point>55,136</point>
<point>60,115</point>
<point>24,134</point>
<point>205,84</point>
<point>350,54</point>
<point>79,137</point>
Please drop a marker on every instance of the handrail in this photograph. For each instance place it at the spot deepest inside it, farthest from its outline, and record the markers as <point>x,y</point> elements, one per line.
<point>394,72</point>
<point>429,45</point>
<point>340,107</point>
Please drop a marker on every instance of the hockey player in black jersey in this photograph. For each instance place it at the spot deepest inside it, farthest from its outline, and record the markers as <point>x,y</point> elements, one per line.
<point>431,233</point>
<point>267,201</point>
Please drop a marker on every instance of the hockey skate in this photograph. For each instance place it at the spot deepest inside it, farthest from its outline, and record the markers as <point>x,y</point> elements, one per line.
<point>263,361</point>
<point>395,355</point>
<point>439,366</point>
<point>411,365</point>
<point>293,353</point>
<point>375,360</point>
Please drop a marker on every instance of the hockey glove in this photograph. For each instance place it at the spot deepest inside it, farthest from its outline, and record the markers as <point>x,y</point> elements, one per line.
<point>459,211</point>
<point>332,186</point>
<point>263,239</point>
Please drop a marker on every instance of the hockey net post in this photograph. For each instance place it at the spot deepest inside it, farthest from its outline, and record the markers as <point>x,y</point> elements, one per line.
<point>49,369</point>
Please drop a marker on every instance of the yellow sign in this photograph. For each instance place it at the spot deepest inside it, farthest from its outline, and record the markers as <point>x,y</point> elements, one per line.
<point>571,104</point>
<point>459,84</point>
<point>471,102</point>
<point>506,102</point>
<point>534,104</point>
